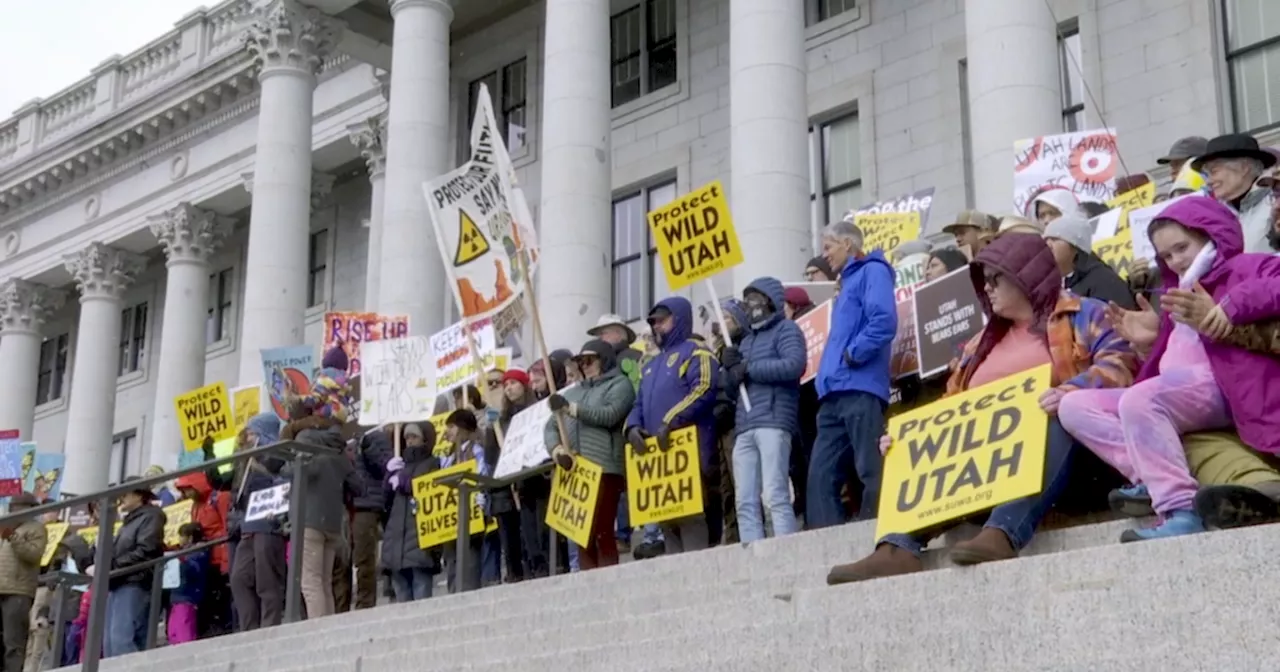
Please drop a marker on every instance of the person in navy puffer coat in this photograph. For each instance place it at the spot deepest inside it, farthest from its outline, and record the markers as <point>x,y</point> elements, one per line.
<point>678,390</point>
<point>769,362</point>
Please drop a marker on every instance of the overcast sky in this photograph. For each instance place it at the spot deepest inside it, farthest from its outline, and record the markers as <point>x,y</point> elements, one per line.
<point>47,45</point>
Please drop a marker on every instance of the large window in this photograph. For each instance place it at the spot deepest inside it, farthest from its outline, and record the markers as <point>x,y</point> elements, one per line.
<point>53,368</point>
<point>643,47</point>
<point>317,267</point>
<point>634,250</point>
<point>509,91</point>
<point>830,8</point>
<point>133,338</point>
<point>1070,81</point>
<point>836,170</point>
<point>217,326</point>
<point>122,452</point>
<point>1253,57</point>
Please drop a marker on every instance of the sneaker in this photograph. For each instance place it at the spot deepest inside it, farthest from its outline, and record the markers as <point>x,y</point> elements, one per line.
<point>1133,501</point>
<point>1229,506</point>
<point>649,549</point>
<point>1177,524</point>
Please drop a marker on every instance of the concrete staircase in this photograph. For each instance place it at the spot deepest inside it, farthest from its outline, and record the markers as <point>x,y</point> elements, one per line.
<point>1076,601</point>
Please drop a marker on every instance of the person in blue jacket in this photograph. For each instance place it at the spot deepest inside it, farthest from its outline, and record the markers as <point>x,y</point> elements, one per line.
<point>769,362</point>
<point>678,390</point>
<point>853,378</point>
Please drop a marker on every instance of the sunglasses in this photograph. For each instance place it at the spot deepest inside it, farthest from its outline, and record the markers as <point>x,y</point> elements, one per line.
<point>494,384</point>
<point>992,280</point>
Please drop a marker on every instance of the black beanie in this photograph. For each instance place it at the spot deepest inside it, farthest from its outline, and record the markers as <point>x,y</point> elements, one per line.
<point>462,419</point>
<point>821,264</point>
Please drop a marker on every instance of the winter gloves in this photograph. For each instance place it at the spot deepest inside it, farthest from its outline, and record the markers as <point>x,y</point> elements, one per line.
<point>559,403</point>
<point>394,466</point>
<point>562,457</point>
<point>637,437</point>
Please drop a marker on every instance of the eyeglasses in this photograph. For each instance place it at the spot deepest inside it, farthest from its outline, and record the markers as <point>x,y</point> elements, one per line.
<point>992,280</point>
<point>494,383</point>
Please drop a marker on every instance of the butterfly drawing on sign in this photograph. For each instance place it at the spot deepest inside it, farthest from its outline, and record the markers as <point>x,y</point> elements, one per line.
<point>46,484</point>
<point>28,461</point>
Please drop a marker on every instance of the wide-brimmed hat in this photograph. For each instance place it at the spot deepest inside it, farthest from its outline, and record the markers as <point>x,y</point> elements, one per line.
<point>611,320</point>
<point>1185,148</point>
<point>1232,146</point>
<point>975,218</point>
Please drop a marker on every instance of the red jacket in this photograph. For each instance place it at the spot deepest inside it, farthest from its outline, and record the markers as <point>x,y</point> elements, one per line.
<point>211,515</point>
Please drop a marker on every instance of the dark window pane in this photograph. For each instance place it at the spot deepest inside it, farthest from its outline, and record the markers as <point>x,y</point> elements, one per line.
<point>830,8</point>
<point>319,252</point>
<point>625,48</point>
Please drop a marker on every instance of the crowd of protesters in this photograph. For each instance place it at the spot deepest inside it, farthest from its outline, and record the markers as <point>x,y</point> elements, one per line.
<point>1161,403</point>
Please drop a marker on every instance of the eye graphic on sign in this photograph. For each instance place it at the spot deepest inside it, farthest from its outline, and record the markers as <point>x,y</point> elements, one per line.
<point>1025,158</point>
<point>1093,162</point>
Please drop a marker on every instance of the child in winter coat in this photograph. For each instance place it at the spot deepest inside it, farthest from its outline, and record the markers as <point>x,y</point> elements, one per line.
<point>185,599</point>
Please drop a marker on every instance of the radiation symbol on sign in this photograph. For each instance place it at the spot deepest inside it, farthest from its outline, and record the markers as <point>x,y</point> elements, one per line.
<point>471,243</point>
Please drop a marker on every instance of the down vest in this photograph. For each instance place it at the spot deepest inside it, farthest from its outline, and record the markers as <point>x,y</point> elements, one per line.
<point>775,357</point>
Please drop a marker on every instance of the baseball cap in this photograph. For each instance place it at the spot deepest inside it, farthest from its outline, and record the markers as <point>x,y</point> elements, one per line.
<point>975,218</point>
<point>1185,148</point>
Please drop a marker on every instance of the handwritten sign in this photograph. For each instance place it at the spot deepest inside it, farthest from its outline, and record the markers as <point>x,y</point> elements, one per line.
<point>246,402</point>
<point>1083,163</point>
<point>523,445</point>
<point>205,412</point>
<point>888,230</point>
<point>398,383</point>
<point>273,501</point>
<point>350,329</point>
<point>455,364</point>
<point>695,236</point>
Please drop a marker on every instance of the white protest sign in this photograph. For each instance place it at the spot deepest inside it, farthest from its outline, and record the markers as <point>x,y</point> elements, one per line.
<point>455,365</point>
<point>1083,163</point>
<point>267,503</point>
<point>172,576</point>
<point>1140,220</point>
<point>523,445</point>
<point>398,382</point>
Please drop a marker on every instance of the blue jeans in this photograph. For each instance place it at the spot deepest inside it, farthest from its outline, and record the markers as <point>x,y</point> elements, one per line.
<point>849,428</point>
<point>127,608</point>
<point>491,560</point>
<point>652,534</point>
<point>412,584</point>
<point>624,520</point>
<point>1020,518</point>
<point>573,555</point>
<point>761,463</point>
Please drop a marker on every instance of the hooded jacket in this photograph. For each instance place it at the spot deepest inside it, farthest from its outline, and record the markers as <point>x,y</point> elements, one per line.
<point>864,322</point>
<point>1092,278</point>
<point>20,556</point>
<point>400,538</point>
<point>210,510</point>
<point>678,386</point>
<point>258,475</point>
<point>775,357</point>
<point>192,570</point>
<point>1247,286</point>
<point>603,405</point>
<point>1061,199</point>
<point>331,478</point>
<point>1084,350</point>
<point>371,459</point>
<point>141,538</point>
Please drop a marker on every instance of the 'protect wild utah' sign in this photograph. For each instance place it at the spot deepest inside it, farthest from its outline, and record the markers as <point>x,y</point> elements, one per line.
<point>695,236</point>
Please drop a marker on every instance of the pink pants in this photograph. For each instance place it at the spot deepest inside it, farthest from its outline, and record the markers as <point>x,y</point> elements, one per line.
<point>182,623</point>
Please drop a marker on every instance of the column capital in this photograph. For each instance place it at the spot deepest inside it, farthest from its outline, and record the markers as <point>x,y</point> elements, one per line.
<point>445,7</point>
<point>190,234</point>
<point>104,272</point>
<point>25,305</point>
<point>289,37</point>
<point>369,136</point>
<point>383,79</point>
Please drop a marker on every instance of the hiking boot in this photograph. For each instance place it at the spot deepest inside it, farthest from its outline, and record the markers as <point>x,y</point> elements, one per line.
<point>887,560</point>
<point>1133,501</point>
<point>1229,506</point>
<point>649,549</point>
<point>1177,524</point>
<point>990,545</point>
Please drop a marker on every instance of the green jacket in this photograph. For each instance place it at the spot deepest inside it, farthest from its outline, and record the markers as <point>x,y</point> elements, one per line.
<point>20,559</point>
<point>596,434</point>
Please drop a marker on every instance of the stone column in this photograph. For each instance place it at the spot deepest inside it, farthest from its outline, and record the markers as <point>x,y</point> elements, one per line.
<point>417,151</point>
<point>1014,90</point>
<point>24,308</point>
<point>769,131</point>
<point>102,274</point>
<point>576,199</point>
<point>288,41</point>
<point>369,137</point>
<point>189,236</point>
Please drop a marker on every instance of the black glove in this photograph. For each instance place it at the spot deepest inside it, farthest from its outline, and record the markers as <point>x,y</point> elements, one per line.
<point>207,448</point>
<point>636,437</point>
<point>664,439</point>
<point>730,357</point>
<point>557,403</point>
<point>723,413</point>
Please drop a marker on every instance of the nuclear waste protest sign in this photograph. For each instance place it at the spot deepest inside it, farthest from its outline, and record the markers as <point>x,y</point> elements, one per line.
<point>573,500</point>
<point>665,485</point>
<point>205,412</point>
<point>437,507</point>
<point>964,454</point>
<point>695,236</point>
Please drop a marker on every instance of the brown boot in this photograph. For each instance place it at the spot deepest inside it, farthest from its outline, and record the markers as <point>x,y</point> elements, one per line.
<point>888,560</point>
<point>990,545</point>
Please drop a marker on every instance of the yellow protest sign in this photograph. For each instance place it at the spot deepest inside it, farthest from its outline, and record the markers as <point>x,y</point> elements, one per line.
<point>437,507</point>
<point>964,454</point>
<point>887,230</point>
<point>665,486</point>
<point>695,236</point>
<point>54,534</point>
<point>90,534</point>
<point>247,402</point>
<point>1116,251</point>
<point>202,412</point>
<point>573,500</point>
<point>443,446</point>
<point>1132,200</point>
<point>175,516</point>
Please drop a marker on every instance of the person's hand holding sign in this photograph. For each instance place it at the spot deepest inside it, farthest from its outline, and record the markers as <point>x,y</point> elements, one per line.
<point>885,442</point>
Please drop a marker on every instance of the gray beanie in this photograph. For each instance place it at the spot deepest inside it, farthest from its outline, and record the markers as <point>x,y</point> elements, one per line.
<point>1073,229</point>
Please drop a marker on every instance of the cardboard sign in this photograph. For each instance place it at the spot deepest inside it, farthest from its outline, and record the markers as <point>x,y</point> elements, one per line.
<point>437,507</point>
<point>398,383</point>
<point>246,402</point>
<point>523,446</point>
<point>350,329</point>
<point>665,486</point>
<point>573,500</point>
<point>1083,163</point>
<point>947,315</point>
<point>176,515</point>
<point>887,230</point>
<point>455,365</point>
<point>273,501</point>
<point>815,325</point>
<point>964,454</point>
<point>54,534</point>
<point>695,236</point>
<point>287,372</point>
<point>205,412</point>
